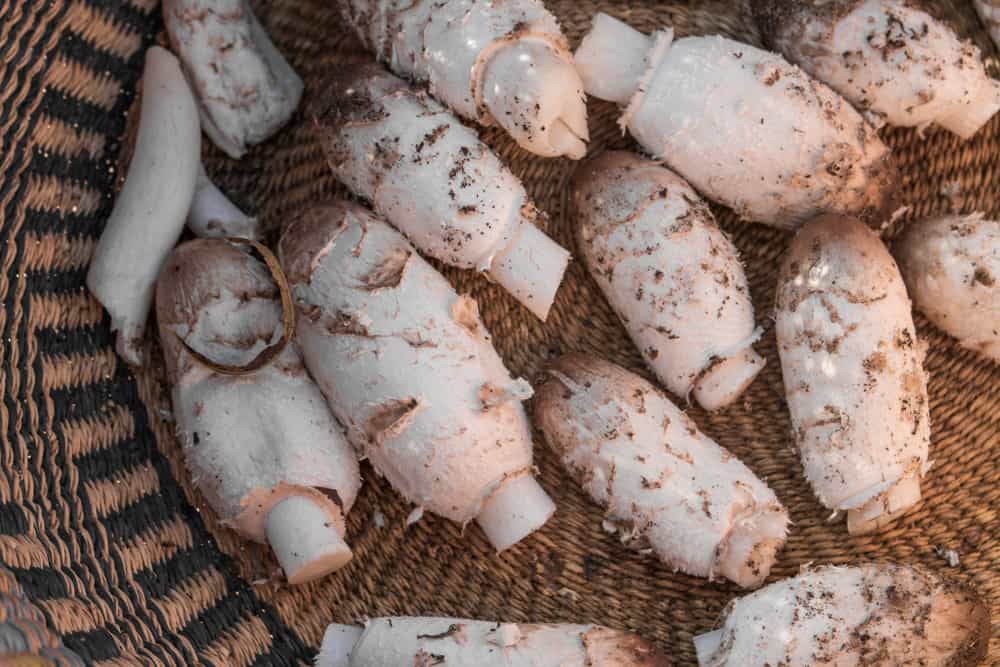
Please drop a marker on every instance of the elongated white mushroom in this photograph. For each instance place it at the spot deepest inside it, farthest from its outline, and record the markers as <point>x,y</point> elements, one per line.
<point>699,508</point>
<point>213,215</point>
<point>852,366</point>
<point>263,448</point>
<point>246,89</point>
<point>670,273</point>
<point>499,63</point>
<point>424,642</point>
<point>742,125</point>
<point>149,213</point>
<point>407,366</point>
<point>887,57</point>
<point>951,266</point>
<point>873,614</point>
<point>432,178</point>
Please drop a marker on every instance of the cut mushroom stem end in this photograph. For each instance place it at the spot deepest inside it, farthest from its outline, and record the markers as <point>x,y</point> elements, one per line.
<point>727,379</point>
<point>306,540</point>
<point>883,509</point>
<point>612,59</point>
<point>970,118</point>
<point>531,268</point>
<point>338,642</point>
<point>518,508</point>
<point>705,646</point>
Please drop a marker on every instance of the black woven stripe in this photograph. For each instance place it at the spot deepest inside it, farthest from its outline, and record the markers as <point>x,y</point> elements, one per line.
<point>129,15</point>
<point>38,583</point>
<point>56,282</point>
<point>82,340</point>
<point>93,645</point>
<point>74,47</point>
<point>91,116</point>
<point>12,519</point>
<point>75,168</point>
<point>62,222</point>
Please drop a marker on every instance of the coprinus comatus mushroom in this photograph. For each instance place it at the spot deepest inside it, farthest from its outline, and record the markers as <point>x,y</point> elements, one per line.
<point>455,642</point>
<point>887,57</point>
<point>246,89</point>
<point>263,447</point>
<point>431,177</point>
<point>407,366</point>
<point>873,614</point>
<point>499,63</point>
<point>699,508</point>
<point>742,125</point>
<point>951,266</point>
<point>853,372</point>
<point>674,279</point>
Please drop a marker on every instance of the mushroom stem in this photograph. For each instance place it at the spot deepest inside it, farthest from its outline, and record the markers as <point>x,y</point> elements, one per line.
<point>213,215</point>
<point>306,540</point>
<point>727,379</point>
<point>338,642</point>
<point>515,510</point>
<point>150,211</point>
<point>612,59</point>
<point>531,268</point>
<point>705,646</point>
<point>881,510</point>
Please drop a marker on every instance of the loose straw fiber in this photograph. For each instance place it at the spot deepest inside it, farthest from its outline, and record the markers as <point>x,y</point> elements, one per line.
<point>99,525</point>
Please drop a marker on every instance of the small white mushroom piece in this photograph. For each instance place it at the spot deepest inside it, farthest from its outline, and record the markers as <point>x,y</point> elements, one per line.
<point>853,372</point>
<point>407,366</point>
<point>700,509</point>
<point>742,125</point>
<point>499,63</point>
<point>431,177</point>
<point>872,614</point>
<point>674,279</point>
<point>951,266</point>
<point>246,89</point>
<point>263,447</point>
<point>423,642</point>
<point>149,213</point>
<point>213,215</point>
<point>889,58</point>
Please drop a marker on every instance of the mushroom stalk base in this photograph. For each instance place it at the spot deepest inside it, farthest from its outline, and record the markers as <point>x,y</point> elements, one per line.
<point>338,642</point>
<point>531,268</point>
<point>515,510</point>
<point>705,645</point>
<point>305,539</point>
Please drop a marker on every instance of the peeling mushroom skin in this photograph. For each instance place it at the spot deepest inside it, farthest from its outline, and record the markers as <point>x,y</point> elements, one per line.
<point>264,449</point>
<point>246,89</point>
<point>742,125</point>
<point>951,266</point>
<point>853,372</point>
<point>887,57</point>
<point>873,614</point>
<point>701,510</point>
<point>674,279</point>
<point>431,177</point>
<point>499,63</point>
<point>149,213</point>
<point>423,642</point>
<point>407,366</point>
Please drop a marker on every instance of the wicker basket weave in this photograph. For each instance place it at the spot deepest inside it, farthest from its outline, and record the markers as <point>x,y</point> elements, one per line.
<point>99,526</point>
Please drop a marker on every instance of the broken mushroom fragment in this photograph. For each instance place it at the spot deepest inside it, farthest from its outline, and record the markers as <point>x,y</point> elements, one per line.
<point>407,366</point>
<point>671,275</point>
<point>853,372</point>
<point>246,89</point>
<point>149,213</point>
<point>742,125</point>
<point>422,642</point>
<point>213,215</point>
<point>873,614</point>
<point>700,509</point>
<point>430,176</point>
<point>499,63</point>
<point>951,266</point>
<point>887,57</point>
<point>262,447</point>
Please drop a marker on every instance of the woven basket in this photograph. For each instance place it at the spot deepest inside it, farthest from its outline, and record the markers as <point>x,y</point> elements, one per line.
<point>99,525</point>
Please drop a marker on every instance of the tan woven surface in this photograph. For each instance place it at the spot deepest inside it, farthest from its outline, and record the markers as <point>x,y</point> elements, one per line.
<point>155,591</point>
